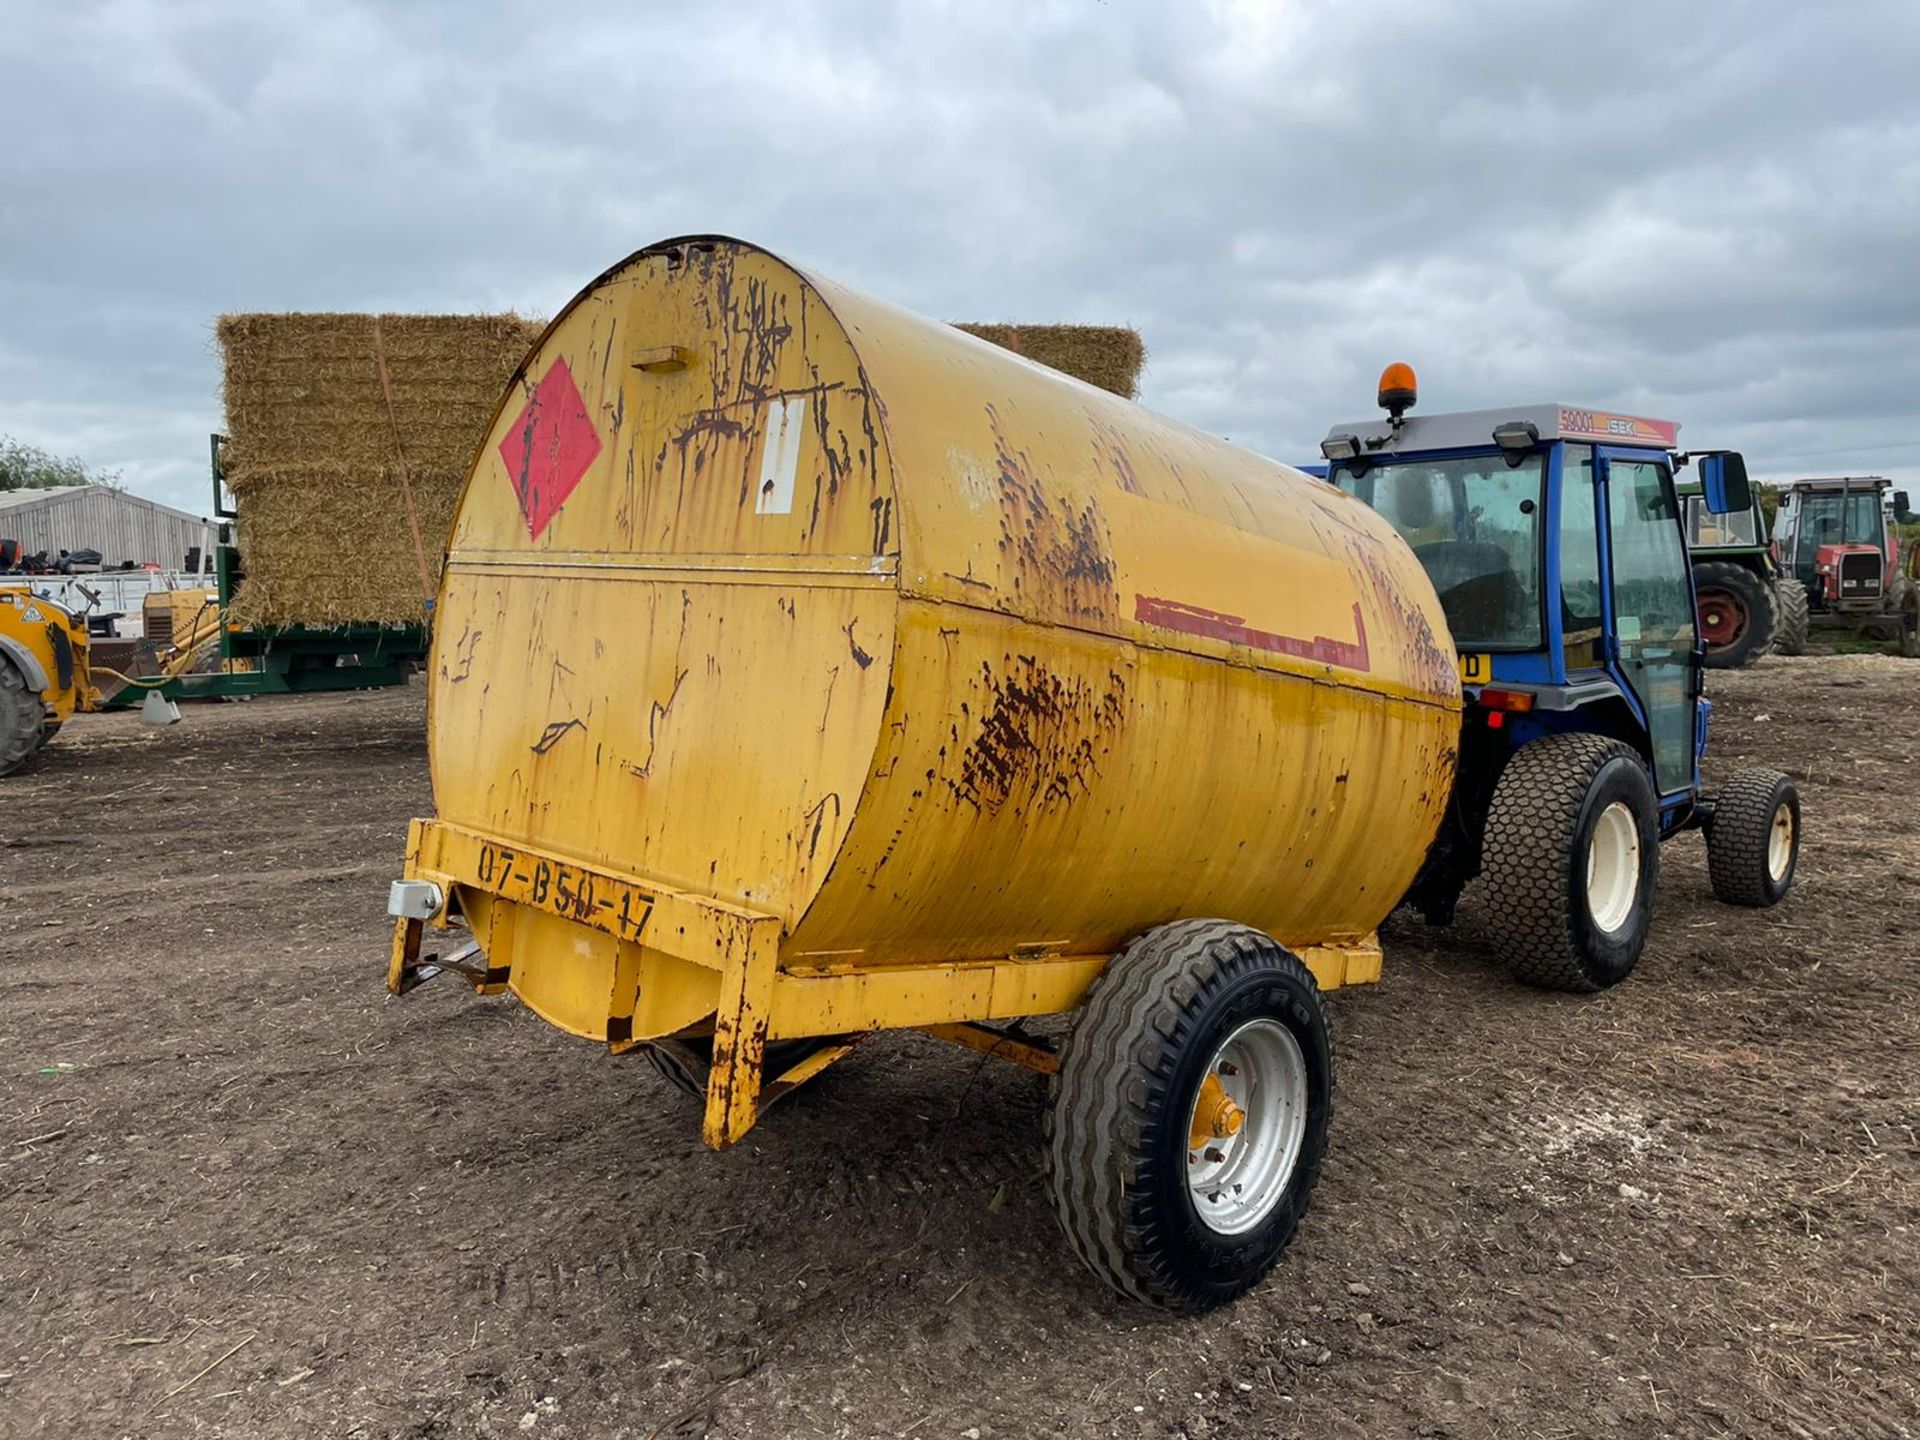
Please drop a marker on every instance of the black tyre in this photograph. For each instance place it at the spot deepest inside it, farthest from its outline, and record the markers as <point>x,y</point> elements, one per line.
<point>1791,620</point>
<point>1753,845</point>
<point>1571,861</point>
<point>1904,600</point>
<point>22,719</point>
<point>1736,613</point>
<point>685,1064</point>
<point>1190,1113</point>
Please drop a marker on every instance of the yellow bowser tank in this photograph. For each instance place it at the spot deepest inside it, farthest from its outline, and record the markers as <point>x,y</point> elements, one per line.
<point>803,667</point>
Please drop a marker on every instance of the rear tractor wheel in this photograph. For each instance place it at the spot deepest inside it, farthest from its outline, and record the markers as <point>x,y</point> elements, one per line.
<point>1909,612</point>
<point>1736,613</point>
<point>1190,1113</point>
<point>1753,844</point>
<point>1571,860</point>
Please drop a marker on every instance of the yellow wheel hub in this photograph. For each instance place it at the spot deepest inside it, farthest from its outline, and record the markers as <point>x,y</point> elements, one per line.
<point>1215,1115</point>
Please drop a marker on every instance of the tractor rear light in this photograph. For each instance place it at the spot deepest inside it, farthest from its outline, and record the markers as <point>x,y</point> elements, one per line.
<point>1340,447</point>
<point>1517,701</point>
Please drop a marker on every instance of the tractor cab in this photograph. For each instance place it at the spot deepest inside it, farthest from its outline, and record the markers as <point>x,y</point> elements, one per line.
<point>1836,538</point>
<point>1554,537</point>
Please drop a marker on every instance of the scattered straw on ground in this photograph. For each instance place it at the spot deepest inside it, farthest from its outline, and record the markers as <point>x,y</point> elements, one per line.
<point>1109,356</point>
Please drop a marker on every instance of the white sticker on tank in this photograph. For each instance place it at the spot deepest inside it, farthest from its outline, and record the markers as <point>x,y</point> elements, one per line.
<point>780,455</point>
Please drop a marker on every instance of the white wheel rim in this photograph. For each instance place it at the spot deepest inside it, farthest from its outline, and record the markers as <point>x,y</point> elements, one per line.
<point>1780,844</point>
<point>1236,1179</point>
<point>1613,867</point>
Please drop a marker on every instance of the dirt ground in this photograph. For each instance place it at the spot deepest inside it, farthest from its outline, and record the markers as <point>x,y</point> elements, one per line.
<point>243,1192</point>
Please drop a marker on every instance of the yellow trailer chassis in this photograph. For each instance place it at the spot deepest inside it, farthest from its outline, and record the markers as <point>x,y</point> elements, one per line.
<point>761,999</point>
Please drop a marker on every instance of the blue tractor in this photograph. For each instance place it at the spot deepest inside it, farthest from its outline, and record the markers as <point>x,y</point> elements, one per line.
<point>1552,535</point>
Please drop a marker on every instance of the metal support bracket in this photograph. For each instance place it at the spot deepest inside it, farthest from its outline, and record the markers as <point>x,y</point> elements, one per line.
<point>748,955</point>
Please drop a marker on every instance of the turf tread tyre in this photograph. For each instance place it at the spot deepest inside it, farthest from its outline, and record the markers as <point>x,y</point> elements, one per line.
<point>1755,595</point>
<point>1737,845</point>
<point>22,719</point>
<point>1145,1013</point>
<point>1529,867</point>
<point>1792,620</point>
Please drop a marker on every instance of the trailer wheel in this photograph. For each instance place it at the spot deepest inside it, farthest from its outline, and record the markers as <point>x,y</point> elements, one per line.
<point>1753,844</point>
<point>1791,618</point>
<point>22,719</point>
<point>685,1064</point>
<point>1735,611</point>
<point>1571,861</point>
<point>1190,1113</point>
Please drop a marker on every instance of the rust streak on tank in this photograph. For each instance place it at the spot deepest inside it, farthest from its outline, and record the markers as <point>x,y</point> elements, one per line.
<point>1041,736</point>
<point>1057,551</point>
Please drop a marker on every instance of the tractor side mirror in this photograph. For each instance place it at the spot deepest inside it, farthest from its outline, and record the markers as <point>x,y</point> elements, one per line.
<point>1723,483</point>
<point>1903,508</point>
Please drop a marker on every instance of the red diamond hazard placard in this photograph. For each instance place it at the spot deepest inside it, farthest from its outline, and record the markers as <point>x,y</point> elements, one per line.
<point>550,446</point>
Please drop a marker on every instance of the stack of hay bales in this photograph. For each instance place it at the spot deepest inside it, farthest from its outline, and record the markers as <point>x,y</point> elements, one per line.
<point>311,456</point>
<point>1109,356</point>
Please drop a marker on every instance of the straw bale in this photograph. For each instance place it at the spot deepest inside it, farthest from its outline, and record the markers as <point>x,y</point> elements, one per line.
<point>310,453</point>
<point>1110,356</point>
<point>329,544</point>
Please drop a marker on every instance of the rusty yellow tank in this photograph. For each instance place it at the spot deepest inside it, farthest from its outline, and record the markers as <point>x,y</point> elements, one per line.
<point>772,608</point>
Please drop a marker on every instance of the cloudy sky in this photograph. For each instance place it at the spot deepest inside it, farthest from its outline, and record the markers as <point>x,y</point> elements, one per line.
<point>1709,212</point>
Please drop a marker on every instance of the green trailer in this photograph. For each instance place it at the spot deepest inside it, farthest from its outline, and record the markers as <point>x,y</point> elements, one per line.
<point>284,659</point>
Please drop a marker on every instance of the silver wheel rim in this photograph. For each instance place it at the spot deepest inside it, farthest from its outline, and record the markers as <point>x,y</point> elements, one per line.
<point>1613,867</point>
<point>1780,844</point>
<point>1237,1178</point>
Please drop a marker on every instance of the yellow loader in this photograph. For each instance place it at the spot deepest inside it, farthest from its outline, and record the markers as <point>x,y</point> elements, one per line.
<point>44,674</point>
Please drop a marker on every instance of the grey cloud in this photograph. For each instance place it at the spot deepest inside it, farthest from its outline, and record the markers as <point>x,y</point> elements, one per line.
<point>1705,212</point>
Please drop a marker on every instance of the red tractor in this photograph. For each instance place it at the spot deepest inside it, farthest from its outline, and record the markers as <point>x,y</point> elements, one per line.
<point>1836,537</point>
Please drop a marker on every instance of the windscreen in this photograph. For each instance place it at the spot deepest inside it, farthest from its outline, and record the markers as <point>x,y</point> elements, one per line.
<point>1849,519</point>
<point>1708,531</point>
<point>1474,523</point>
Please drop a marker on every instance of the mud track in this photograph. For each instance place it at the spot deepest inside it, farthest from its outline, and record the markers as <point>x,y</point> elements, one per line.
<point>1687,1207</point>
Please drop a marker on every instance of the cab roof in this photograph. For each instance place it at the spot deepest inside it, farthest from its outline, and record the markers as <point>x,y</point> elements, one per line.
<point>1840,482</point>
<point>1463,429</point>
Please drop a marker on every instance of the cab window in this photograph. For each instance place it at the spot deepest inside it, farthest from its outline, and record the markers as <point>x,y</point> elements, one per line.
<point>1474,523</point>
<point>1580,598</point>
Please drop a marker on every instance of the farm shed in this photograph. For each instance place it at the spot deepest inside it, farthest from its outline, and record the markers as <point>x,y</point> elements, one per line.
<point>120,526</point>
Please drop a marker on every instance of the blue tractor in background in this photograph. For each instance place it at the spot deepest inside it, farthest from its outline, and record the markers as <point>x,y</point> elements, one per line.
<point>1552,535</point>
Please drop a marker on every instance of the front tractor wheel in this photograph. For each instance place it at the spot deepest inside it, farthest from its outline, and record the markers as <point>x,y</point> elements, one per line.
<point>1753,844</point>
<point>1571,860</point>
<point>1735,611</point>
<point>1190,1113</point>
<point>1792,620</point>
<point>22,719</point>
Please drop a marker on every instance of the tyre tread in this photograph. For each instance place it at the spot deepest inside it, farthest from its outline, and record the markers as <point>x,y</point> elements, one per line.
<point>1527,855</point>
<point>22,719</point>
<point>1737,845</point>
<point>1113,1065</point>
